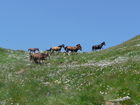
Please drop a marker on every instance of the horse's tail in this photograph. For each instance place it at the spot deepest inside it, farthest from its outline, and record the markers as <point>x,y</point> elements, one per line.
<point>29,50</point>
<point>65,48</point>
<point>50,49</point>
<point>93,48</point>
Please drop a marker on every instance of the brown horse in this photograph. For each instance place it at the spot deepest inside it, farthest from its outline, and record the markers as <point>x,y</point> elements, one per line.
<point>73,48</point>
<point>38,57</point>
<point>33,50</point>
<point>58,48</point>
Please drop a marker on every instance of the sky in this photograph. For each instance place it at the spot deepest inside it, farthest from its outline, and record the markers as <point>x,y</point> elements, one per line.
<point>46,23</point>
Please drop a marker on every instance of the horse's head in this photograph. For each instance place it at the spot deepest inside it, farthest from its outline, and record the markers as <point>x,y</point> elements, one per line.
<point>62,46</point>
<point>37,49</point>
<point>79,47</point>
<point>103,43</point>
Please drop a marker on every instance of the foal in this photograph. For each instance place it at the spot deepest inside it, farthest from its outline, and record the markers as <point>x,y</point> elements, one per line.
<point>38,57</point>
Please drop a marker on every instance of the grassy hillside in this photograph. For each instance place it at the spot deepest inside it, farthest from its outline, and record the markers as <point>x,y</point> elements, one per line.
<point>79,79</point>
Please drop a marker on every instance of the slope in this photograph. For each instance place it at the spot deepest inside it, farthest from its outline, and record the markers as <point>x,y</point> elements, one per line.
<point>79,79</point>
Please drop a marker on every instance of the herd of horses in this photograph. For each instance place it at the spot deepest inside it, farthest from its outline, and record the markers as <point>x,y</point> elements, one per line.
<point>38,57</point>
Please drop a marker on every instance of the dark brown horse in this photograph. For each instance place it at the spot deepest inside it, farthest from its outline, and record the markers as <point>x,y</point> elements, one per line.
<point>96,47</point>
<point>73,48</point>
<point>38,57</point>
<point>33,50</point>
<point>58,48</point>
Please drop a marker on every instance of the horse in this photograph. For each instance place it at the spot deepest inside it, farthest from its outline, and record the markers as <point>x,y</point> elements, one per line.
<point>33,50</point>
<point>96,47</point>
<point>38,57</point>
<point>57,49</point>
<point>73,48</point>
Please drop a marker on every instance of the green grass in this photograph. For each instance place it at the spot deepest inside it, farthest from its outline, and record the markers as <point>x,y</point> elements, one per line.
<point>79,79</point>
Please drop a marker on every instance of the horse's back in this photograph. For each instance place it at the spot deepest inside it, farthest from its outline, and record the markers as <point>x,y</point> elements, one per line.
<point>55,48</point>
<point>36,55</point>
<point>71,47</point>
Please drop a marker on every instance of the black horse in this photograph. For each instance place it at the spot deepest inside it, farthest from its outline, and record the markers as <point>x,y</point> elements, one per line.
<point>96,47</point>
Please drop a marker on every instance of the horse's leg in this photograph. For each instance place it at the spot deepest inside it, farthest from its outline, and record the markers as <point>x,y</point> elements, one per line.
<point>55,52</point>
<point>31,57</point>
<point>64,53</point>
<point>52,51</point>
<point>58,52</point>
<point>39,61</point>
<point>35,60</point>
<point>71,52</point>
<point>76,52</point>
<point>102,47</point>
<point>66,49</point>
<point>67,52</point>
<point>46,61</point>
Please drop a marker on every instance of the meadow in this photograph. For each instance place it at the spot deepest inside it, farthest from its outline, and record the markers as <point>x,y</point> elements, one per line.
<point>90,78</point>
